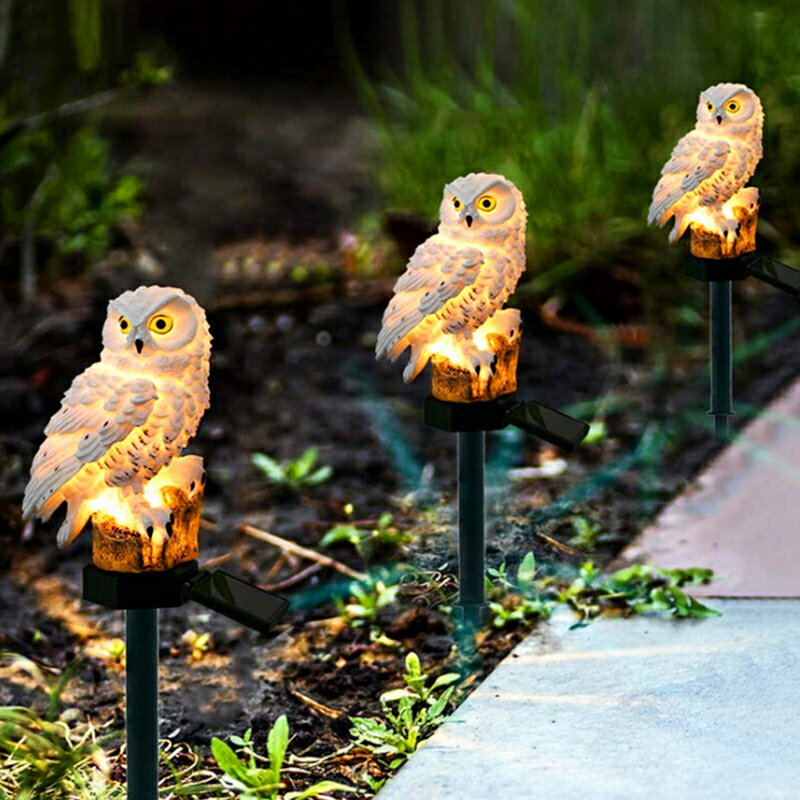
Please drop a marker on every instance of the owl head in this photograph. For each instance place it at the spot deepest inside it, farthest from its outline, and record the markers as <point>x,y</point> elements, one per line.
<point>729,108</point>
<point>481,200</point>
<point>156,322</point>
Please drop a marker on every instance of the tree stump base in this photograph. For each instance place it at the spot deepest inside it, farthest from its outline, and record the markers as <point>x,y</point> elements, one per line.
<point>454,384</point>
<point>710,244</point>
<point>119,549</point>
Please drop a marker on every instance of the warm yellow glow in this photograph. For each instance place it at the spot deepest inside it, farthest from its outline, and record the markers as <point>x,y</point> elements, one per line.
<point>111,502</point>
<point>127,417</point>
<point>504,323</point>
<point>702,218</point>
<point>711,164</point>
<point>447,347</point>
<point>458,278</point>
<point>707,220</point>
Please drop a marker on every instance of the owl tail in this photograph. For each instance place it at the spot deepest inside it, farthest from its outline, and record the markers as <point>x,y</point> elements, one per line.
<point>417,361</point>
<point>681,224</point>
<point>78,514</point>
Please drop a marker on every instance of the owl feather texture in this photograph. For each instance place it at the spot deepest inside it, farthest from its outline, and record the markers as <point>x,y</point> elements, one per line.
<point>124,421</point>
<point>451,296</point>
<point>704,179</point>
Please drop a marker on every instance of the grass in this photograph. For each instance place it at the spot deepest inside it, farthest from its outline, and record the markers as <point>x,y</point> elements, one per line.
<point>580,104</point>
<point>639,589</point>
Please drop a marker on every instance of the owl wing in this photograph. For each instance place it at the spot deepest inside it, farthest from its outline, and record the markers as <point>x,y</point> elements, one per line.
<point>435,274</point>
<point>97,411</point>
<point>695,159</point>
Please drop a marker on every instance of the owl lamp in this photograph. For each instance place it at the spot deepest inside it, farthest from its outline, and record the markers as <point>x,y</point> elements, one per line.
<point>448,305</point>
<point>447,308</point>
<point>113,455</point>
<point>702,186</point>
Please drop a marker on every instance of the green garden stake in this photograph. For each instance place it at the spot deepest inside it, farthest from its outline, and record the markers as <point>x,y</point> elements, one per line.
<point>721,405</point>
<point>470,421</point>
<point>141,702</point>
<point>471,527</point>
<point>720,274</point>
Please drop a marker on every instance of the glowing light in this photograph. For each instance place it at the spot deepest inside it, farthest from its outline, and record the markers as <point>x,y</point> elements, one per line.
<point>704,179</point>
<point>113,450</point>
<point>459,279</point>
<point>113,504</point>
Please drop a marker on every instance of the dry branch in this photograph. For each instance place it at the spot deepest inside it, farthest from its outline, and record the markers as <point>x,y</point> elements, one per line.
<point>293,579</point>
<point>298,550</point>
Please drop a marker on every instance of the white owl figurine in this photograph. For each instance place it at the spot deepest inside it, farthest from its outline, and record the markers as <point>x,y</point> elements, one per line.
<point>704,178</point>
<point>450,297</point>
<point>125,420</point>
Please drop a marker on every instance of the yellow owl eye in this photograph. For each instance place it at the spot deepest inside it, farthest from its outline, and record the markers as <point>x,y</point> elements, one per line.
<point>710,106</point>
<point>160,323</point>
<point>733,106</point>
<point>124,324</point>
<point>487,203</point>
<point>456,203</point>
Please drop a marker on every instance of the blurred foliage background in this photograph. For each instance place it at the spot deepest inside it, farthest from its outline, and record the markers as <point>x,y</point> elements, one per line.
<point>578,101</point>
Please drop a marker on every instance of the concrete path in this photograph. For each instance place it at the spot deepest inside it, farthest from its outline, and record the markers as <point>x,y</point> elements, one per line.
<point>651,707</point>
<point>741,518</point>
<point>626,709</point>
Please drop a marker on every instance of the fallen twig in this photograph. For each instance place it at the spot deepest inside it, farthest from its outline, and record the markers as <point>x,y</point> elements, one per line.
<point>564,548</point>
<point>275,568</point>
<point>216,561</point>
<point>303,552</point>
<point>315,705</point>
<point>293,579</point>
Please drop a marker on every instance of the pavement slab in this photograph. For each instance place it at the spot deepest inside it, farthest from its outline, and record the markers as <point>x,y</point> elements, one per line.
<point>628,708</point>
<point>741,517</point>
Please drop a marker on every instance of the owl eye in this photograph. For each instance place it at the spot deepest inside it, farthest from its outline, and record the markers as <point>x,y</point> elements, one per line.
<point>710,106</point>
<point>487,203</point>
<point>732,106</point>
<point>456,203</point>
<point>160,323</point>
<point>124,324</point>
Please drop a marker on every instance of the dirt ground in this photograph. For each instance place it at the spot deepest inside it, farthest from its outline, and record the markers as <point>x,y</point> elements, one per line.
<point>293,367</point>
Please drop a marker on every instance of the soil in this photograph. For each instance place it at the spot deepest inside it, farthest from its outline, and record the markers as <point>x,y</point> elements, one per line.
<point>299,374</point>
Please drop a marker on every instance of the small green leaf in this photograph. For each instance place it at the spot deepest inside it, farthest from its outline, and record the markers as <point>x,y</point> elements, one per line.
<point>228,761</point>
<point>306,462</point>
<point>320,476</point>
<point>445,680</point>
<point>323,787</point>
<point>269,467</point>
<point>342,533</point>
<point>438,707</point>
<point>277,742</point>
<point>527,571</point>
<point>413,667</point>
<point>393,695</point>
<point>597,432</point>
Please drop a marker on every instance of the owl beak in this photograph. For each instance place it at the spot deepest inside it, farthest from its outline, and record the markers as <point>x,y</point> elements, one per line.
<point>139,345</point>
<point>719,119</point>
<point>468,219</point>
